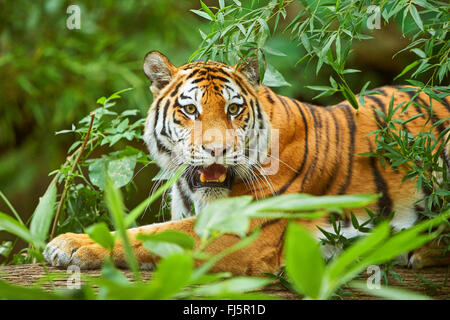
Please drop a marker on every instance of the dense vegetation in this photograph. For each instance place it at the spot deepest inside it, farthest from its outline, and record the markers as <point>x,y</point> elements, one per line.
<point>55,76</point>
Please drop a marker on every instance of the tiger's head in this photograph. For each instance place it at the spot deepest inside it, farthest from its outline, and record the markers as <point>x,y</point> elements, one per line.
<point>206,115</point>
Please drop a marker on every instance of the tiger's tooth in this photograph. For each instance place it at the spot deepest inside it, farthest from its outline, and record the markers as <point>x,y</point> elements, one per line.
<point>202,178</point>
<point>222,177</point>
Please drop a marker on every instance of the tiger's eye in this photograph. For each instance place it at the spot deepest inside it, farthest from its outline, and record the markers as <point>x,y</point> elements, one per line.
<point>233,109</point>
<point>190,109</point>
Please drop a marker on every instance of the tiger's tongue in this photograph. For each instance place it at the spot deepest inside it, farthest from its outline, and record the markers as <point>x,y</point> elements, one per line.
<point>214,172</point>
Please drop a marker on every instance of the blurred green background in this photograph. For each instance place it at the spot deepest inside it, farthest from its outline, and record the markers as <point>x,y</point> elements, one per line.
<point>51,76</point>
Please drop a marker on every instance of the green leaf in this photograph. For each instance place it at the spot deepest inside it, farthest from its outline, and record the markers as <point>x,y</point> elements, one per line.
<point>234,285</point>
<point>305,215</point>
<point>307,203</point>
<point>304,263</point>
<point>419,52</point>
<point>171,276</point>
<point>201,271</point>
<point>415,15</point>
<point>12,292</point>
<point>407,68</point>
<point>12,226</point>
<point>110,272</point>
<point>100,233</point>
<point>273,51</point>
<point>171,236</point>
<point>224,215</point>
<point>5,248</point>
<point>273,78</point>
<point>161,248</point>
<point>207,10</point>
<point>274,203</point>
<point>114,202</point>
<point>264,26</point>
<point>349,95</point>
<point>137,211</point>
<point>162,175</point>
<point>202,14</point>
<point>346,265</point>
<point>43,215</point>
<point>120,170</point>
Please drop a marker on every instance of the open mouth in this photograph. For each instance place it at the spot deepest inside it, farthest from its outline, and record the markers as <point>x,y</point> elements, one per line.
<point>215,175</point>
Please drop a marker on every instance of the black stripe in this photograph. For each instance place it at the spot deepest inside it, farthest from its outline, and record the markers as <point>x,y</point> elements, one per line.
<point>381,90</point>
<point>351,148</point>
<point>241,87</point>
<point>269,223</point>
<point>337,153</point>
<point>193,73</point>
<point>382,107</point>
<point>215,77</point>
<point>446,103</point>
<point>260,117</point>
<point>163,129</point>
<point>305,154</point>
<point>268,96</point>
<point>317,129</point>
<point>186,201</point>
<point>384,203</point>
<point>418,109</point>
<point>418,210</point>
<point>175,91</point>
<point>198,80</point>
<point>434,118</point>
<point>161,148</point>
<point>241,83</point>
<point>286,109</point>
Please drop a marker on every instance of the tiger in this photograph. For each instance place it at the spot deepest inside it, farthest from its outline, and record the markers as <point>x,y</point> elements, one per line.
<point>320,151</point>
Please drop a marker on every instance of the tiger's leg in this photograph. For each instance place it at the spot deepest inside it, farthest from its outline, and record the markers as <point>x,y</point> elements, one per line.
<point>263,255</point>
<point>434,253</point>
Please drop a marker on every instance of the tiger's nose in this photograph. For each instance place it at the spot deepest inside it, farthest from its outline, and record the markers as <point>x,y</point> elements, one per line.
<point>215,151</point>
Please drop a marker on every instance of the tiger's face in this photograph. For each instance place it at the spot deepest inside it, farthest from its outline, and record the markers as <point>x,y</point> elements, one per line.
<point>206,115</point>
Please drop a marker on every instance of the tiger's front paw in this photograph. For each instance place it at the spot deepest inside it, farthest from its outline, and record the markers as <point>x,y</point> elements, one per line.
<point>74,249</point>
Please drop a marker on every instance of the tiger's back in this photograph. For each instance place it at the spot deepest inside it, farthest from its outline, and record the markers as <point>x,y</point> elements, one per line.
<point>323,150</point>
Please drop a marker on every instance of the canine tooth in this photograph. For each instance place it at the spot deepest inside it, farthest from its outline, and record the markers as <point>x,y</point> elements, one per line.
<point>222,177</point>
<point>202,178</point>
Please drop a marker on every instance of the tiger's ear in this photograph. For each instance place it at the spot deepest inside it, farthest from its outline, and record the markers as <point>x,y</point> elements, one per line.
<point>250,69</point>
<point>159,70</point>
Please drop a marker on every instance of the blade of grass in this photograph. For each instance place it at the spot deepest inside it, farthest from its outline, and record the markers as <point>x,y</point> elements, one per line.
<point>136,212</point>
<point>11,207</point>
<point>114,203</point>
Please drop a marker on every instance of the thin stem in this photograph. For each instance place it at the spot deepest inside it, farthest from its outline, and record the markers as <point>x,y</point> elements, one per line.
<point>11,207</point>
<point>67,183</point>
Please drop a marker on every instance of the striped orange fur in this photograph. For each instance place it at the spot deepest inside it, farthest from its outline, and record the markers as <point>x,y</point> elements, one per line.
<point>318,154</point>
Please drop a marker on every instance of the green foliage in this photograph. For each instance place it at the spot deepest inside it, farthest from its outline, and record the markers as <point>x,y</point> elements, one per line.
<point>323,33</point>
<point>419,153</point>
<point>100,233</point>
<point>307,270</point>
<point>326,30</point>
<point>103,127</point>
<point>55,74</point>
<point>304,263</point>
<point>43,215</point>
<point>175,274</point>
